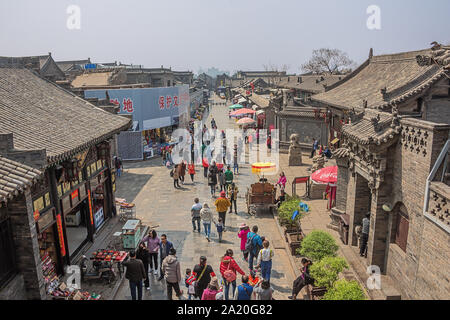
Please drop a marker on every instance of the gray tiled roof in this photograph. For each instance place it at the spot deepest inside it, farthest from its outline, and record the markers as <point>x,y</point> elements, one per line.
<point>42,115</point>
<point>309,83</point>
<point>15,177</point>
<point>399,74</point>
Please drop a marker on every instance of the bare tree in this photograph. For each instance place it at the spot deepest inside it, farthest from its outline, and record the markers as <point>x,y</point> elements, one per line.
<point>275,68</point>
<point>327,61</point>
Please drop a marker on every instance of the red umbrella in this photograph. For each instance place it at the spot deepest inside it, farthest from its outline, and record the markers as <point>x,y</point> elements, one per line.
<point>327,175</point>
<point>242,111</point>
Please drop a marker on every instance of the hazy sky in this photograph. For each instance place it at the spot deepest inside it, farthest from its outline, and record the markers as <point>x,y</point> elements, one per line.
<point>227,34</point>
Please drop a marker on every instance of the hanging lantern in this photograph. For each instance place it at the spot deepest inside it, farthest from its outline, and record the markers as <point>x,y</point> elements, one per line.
<point>103,150</point>
<point>71,169</point>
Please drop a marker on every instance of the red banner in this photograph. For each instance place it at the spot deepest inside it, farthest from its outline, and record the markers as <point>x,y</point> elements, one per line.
<point>90,207</point>
<point>301,180</point>
<point>60,234</point>
<point>75,194</point>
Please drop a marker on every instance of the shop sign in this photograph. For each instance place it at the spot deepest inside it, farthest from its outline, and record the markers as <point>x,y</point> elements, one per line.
<point>98,218</point>
<point>90,206</point>
<point>75,194</point>
<point>60,234</point>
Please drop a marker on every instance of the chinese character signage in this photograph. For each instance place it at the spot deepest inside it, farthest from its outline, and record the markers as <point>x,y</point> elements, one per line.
<point>151,108</point>
<point>90,207</point>
<point>60,234</point>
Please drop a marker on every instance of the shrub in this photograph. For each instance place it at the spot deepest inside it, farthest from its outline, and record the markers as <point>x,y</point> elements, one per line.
<point>287,208</point>
<point>326,271</point>
<point>345,290</point>
<point>317,245</point>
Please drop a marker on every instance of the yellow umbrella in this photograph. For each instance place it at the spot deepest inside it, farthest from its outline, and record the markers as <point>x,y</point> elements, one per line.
<point>262,167</point>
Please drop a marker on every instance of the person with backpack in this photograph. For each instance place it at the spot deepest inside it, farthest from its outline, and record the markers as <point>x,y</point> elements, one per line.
<point>264,261</point>
<point>242,234</point>
<point>253,245</point>
<point>203,273</point>
<point>195,215</point>
<point>228,269</point>
<point>244,291</point>
<point>212,178</point>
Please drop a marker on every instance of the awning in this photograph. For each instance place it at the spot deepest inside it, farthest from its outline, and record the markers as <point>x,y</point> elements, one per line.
<point>259,112</point>
<point>241,100</point>
<point>157,123</point>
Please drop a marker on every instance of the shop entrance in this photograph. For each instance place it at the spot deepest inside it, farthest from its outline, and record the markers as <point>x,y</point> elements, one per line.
<point>77,224</point>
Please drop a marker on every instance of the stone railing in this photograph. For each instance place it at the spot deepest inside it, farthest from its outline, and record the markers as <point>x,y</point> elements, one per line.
<point>439,204</point>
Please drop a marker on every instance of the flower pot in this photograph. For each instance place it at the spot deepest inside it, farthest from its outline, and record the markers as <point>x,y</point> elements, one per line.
<point>294,241</point>
<point>289,230</point>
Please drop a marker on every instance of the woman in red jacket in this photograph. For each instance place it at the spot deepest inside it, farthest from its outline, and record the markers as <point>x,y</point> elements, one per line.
<point>228,269</point>
<point>191,169</point>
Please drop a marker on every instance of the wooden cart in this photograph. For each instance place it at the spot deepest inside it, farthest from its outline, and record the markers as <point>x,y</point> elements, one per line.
<point>261,197</point>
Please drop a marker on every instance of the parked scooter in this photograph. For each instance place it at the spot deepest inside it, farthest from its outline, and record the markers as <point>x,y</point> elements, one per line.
<point>103,270</point>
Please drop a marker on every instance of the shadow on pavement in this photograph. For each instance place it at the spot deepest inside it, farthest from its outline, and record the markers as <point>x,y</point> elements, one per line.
<point>134,182</point>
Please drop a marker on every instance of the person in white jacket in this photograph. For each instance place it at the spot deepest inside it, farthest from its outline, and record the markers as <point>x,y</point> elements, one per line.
<point>264,261</point>
<point>206,216</point>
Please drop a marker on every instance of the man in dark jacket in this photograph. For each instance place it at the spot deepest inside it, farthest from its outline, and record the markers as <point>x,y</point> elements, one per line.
<point>164,250</point>
<point>135,274</point>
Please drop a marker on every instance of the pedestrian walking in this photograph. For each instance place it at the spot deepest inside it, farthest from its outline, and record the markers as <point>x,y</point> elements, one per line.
<point>364,235</point>
<point>164,249</point>
<point>262,291</point>
<point>152,241</point>
<point>206,216</point>
<point>143,255</point>
<point>222,204</point>
<point>135,274</point>
<point>304,280</point>
<point>264,261</point>
<point>269,142</point>
<point>221,178</point>
<point>195,215</point>
<point>211,290</point>
<point>205,165</point>
<point>242,234</point>
<point>244,291</point>
<point>118,166</point>
<point>253,245</point>
<point>203,273</point>
<point>182,167</point>
<point>189,280</point>
<point>175,174</point>
<point>220,227</point>
<point>228,176</point>
<point>191,170</point>
<point>172,274</point>
<point>228,269</point>
<point>233,193</point>
<point>282,181</point>
<point>212,181</point>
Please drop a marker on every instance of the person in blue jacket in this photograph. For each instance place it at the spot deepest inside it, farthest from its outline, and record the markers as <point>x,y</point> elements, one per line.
<point>164,249</point>
<point>256,245</point>
<point>244,291</point>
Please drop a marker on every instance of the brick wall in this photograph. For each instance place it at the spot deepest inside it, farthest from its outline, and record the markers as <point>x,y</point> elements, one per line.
<point>27,248</point>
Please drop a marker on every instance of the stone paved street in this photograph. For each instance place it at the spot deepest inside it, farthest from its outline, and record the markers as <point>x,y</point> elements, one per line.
<point>149,185</point>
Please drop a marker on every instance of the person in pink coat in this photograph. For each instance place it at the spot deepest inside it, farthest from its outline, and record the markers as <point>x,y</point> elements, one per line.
<point>282,181</point>
<point>244,230</point>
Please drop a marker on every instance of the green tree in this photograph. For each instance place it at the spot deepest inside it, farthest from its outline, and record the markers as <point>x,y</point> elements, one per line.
<point>345,290</point>
<point>317,245</point>
<point>326,271</point>
<point>287,208</point>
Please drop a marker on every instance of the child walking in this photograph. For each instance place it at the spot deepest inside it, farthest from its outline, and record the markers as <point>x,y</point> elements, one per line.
<point>189,282</point>
<point>219,226</point>
<point>264,261</point>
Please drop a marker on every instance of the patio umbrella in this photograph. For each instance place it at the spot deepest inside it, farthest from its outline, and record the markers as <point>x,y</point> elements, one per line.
<point>241,112</point>
<point>245,121</point>
<point>261,167</point>
<point>236,106</point>
<point>327,175</point>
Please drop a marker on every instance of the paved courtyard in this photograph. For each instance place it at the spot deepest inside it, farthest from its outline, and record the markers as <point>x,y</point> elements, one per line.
<point>149,185</point>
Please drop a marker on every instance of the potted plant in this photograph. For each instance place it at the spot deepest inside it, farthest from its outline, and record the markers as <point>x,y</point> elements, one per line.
<point>325,273</point>
<point>317,245</point>
<point>345,290</point>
